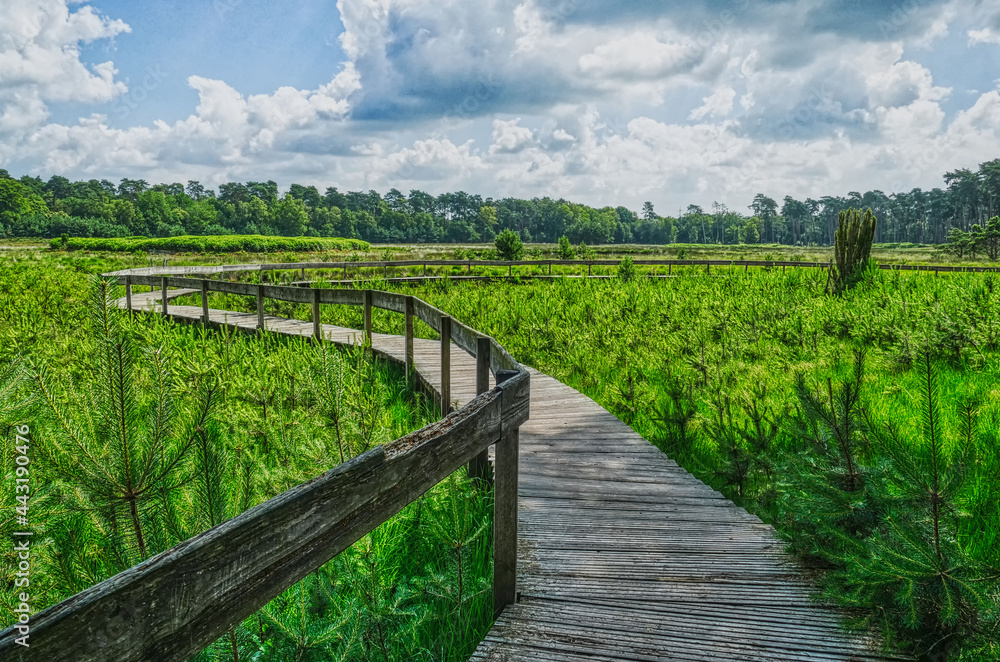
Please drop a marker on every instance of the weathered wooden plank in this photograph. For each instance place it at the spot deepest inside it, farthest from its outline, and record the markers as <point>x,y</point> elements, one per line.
<point>389,301</point>
<point>505,497</point>
<point>479,466</point>
<point>408,339</point>
<point>445,387</point>
<point>173,605</point>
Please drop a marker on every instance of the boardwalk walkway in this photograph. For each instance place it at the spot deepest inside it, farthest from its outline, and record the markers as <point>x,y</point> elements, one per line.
<point>623,555</point>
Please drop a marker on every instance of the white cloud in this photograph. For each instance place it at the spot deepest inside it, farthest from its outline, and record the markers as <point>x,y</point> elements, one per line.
<point>718,104</point>
<point>639,55</point>
<point>430,159</point>
<point>820,113</point>
<point>984,36</point>
<point>40,60</point>
<point>509,137</point>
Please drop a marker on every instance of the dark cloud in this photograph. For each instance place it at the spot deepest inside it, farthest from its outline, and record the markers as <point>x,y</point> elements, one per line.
<point>688,15</point>
<point>874,20</point>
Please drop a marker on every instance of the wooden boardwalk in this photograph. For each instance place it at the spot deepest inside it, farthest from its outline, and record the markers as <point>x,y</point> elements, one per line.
<point>622,554</point>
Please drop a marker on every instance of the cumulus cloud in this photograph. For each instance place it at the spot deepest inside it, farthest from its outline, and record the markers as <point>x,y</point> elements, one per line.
<point>440,95</point>
<point>509,137</point>
<point>40,60</point>
<point>718,104</point>
<point>986,16</point>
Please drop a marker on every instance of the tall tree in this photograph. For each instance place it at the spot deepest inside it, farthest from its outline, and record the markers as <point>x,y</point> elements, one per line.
<point>765,209</point>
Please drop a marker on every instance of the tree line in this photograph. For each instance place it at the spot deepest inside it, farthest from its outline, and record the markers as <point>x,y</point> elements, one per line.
<point>32,207</point>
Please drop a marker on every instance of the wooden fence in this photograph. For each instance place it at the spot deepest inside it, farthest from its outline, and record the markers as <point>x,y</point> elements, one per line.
<point>546,265</point>
<point>173,605</point>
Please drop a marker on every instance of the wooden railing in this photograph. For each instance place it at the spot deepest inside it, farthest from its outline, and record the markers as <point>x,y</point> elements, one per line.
<point>468,265</point>
<point>173,605</point>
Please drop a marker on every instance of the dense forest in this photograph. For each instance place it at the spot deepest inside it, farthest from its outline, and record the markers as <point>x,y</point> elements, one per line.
<point>31,207</point>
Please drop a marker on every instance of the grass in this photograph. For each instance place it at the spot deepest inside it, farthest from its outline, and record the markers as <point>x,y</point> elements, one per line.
<point>707,368</point>
<point>720,371</point>
<point>282,411</point>
<point>211,244</point>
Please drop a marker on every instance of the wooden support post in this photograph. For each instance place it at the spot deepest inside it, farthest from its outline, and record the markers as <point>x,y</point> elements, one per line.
<point>163,301</point>
<point>505,515</point>
<point>409,339</point>
<point>782,268</point>
<point>345,272</point>
<point>385,271</point>
<point>425,270</point>
<point>204,302</point>
<point>589,268</point>
<point>303,273</point>
<point>128,294</point>
<point>550,267</point>
<point>317,325</point>
<point>669,268</point>
<point>368,317</point>
<point>469,270</point>
<point>708,268</point>
<point>479,466</point>
<point>746,268</point>
<point>445,365</point>
<point>260,306</point>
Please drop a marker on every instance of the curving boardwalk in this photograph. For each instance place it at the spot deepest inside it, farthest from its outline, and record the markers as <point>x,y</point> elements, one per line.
<point>622,554</point>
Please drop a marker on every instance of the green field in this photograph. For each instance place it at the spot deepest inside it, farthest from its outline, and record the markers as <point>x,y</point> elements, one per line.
<point>863,426</point>
<point>245,418</point>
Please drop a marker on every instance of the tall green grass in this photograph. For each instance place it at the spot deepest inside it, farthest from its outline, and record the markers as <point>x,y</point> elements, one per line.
<point>731,376</point>
<point>232,420</point>
<point>212,244</point>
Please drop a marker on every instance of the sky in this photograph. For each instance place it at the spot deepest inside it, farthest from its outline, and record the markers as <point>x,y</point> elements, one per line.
<point>597,101</point>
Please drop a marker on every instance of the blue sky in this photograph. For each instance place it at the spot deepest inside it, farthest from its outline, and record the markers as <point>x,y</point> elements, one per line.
<point>598,101</point>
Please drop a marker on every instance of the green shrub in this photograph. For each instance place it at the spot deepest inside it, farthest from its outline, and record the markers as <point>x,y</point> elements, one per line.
<point>566,251</point>
<point>626,269</point>
<point>217,244</point>
<point>852,249</point>
<point>509,245</point>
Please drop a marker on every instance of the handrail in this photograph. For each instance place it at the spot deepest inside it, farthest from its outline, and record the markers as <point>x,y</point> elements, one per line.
<point>469,264</point>
<point>171,606</point>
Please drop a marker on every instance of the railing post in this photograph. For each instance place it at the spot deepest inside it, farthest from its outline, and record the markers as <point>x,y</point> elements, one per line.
<point>368,317</point>
<point>260,306</point>
<point>708,268</point>
<point>445,365</point>
<point>505,515</point>
<point>317,327</point>
<point>345,271</point>
<point>479,466</point>
<point>590,268</point>
<point>204,302</point>
<point>409,339</point>
<point>550,267</point>
<point>163,302</point>
<point>128,294</point>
